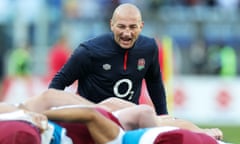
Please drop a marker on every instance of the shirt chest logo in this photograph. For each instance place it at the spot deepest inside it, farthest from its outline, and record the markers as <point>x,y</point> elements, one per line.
<point>106,67</point>
<point>141,64</point>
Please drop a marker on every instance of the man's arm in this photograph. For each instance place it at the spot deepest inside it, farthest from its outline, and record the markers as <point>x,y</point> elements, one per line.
<point>76,67</point>
<point>158,97</point>
<point>101,129</point>
<point>155,85</point>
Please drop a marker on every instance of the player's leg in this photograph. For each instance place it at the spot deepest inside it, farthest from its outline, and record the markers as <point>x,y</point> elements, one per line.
<point>139,116</point>
<point>4,108</point>
<point>13,113</point>
<point>181,123</point>
<point>53,98</point>
<point>101,129</point>
<point>114,104</point>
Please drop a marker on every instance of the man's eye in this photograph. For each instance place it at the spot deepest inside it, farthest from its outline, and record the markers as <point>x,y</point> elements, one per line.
<point>133,27</point>
<point>121,27</point>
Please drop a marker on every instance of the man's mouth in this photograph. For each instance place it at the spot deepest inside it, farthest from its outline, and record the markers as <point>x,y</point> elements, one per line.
<point>126,40</point>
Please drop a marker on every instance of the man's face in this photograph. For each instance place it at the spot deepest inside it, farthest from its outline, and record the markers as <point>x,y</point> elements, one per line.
<point>126,29</point>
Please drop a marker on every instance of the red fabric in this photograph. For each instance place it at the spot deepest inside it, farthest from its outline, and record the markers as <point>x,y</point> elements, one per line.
<point>109,115</point>
<point>144,95</point>
<point>18,132</point>
<point>181,136</point>
<point>58,56</point>
<point>161,59</point>
<point>79,133</point>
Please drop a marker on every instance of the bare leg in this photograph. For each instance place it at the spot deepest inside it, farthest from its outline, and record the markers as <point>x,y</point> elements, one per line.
<point>53,98</point>
<point>129,118</point>
<point>11,112</point>
<point>4,108</point>
<point>171,121</point>
<point>101,129</point>
<point>114,104</point>
<point>140,116</point>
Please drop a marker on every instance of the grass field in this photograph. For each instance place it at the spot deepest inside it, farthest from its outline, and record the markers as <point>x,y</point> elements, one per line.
<point>231,133</point>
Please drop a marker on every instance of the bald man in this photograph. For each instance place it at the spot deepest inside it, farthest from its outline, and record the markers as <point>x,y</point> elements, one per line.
<point>114,64</point>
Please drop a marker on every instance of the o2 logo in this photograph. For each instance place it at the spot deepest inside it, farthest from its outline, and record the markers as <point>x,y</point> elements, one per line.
<point>127,93</point>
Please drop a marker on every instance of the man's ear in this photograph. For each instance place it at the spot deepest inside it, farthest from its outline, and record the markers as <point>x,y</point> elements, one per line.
<point>111,24</point>
<point>142,24</point>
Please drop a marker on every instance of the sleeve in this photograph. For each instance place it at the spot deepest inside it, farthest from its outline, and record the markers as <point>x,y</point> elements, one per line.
<point>155,85</point>
<point>77,67</point>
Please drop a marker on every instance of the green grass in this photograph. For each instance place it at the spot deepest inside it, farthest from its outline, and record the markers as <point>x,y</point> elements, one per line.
<point>231,133</point>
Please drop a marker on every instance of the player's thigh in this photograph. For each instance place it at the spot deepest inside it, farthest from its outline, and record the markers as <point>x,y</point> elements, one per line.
<point>114,104</point>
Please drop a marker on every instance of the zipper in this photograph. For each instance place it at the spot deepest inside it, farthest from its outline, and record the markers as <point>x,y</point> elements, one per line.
<point>125,60</point>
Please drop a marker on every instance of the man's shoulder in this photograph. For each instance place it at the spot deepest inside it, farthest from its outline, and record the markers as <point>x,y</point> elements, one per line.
<point>101,45</point>
<point>101,39</point>
<point>145,37</point>
<point>145,41</point>
<point>98,42</point>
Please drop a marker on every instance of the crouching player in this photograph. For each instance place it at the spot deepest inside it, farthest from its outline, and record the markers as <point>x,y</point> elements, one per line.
<point>104,131</point>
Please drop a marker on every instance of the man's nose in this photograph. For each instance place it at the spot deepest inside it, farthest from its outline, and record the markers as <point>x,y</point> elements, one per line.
<point>127,32</point>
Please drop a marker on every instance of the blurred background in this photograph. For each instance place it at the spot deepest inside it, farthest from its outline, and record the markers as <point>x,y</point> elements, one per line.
<point>199,41</point>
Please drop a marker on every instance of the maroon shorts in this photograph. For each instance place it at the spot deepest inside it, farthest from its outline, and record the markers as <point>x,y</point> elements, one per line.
<point>79,133</point>
<point>18,132</point>
<point>181,136</point>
